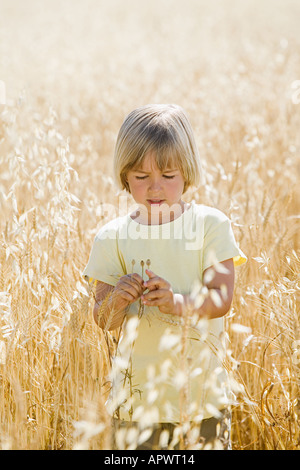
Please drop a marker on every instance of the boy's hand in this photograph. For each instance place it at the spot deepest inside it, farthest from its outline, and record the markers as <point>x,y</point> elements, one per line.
<point>129,289</point>
<point>161,295</point>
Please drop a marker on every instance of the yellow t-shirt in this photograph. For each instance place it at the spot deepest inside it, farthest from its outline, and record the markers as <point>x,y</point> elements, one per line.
<point>157,354</point>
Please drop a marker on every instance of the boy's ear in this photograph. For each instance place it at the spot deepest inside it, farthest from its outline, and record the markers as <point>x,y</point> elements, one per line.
<point>126,184</point>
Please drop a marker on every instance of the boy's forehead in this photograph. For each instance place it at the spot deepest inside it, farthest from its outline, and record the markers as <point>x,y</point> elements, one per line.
<point>149,163</point>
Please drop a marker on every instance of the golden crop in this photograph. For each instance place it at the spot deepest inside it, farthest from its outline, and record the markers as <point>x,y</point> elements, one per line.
<point>72,70</point>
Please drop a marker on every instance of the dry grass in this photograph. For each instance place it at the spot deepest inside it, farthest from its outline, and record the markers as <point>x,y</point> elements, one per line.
<point>72,71</point>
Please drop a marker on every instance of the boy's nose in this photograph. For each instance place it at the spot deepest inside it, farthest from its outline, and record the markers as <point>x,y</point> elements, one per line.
<point>155,185</point>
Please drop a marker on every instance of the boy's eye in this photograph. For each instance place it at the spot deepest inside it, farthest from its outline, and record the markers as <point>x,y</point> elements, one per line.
<point>169,177</point>
<point>141,177</point>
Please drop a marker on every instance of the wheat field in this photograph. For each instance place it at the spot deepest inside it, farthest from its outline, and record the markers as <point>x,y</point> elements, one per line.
<point>69,72</point>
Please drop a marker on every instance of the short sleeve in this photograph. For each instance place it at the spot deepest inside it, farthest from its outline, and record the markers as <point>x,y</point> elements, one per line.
<point>105,263</point>
<point>219,242</point>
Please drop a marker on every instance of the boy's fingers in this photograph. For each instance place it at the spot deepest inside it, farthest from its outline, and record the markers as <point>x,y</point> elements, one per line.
<point>136,277</point>
<point>153,302</point>
<point>154,294</point>
<point>156,283</point>
<point>150,273</point>
<point>132,287</point>
<point>153,278</point>
<point>134,280</point>
<point>137,284</point>
<point>127,296</point>
<point>133,277</point>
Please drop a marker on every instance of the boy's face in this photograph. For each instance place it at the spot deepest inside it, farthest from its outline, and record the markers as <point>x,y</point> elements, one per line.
<point>156,191</point>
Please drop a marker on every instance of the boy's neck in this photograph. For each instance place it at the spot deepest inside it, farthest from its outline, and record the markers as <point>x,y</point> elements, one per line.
<point>159,217</point>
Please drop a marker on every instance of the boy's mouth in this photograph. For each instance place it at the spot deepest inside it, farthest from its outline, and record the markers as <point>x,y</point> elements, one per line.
<point>155,201</point>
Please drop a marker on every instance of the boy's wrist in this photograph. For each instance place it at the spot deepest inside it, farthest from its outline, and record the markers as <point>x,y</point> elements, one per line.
<point>179,302</point>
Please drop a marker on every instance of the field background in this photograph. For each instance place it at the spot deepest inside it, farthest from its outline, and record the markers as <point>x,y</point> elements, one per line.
<point>72,71</point>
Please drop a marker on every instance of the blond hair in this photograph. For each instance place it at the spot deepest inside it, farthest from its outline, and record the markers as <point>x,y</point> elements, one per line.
<point>163,129</point>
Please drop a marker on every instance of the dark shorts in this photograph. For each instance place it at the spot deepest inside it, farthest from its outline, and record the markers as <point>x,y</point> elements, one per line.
<point>214,434</point>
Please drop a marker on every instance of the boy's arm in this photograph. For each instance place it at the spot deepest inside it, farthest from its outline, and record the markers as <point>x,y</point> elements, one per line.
<point>102,298</point>
<point>218,284</point>
<point>111,302</point>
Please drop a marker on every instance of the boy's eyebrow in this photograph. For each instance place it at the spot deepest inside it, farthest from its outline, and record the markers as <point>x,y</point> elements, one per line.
<point>148,173</point>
